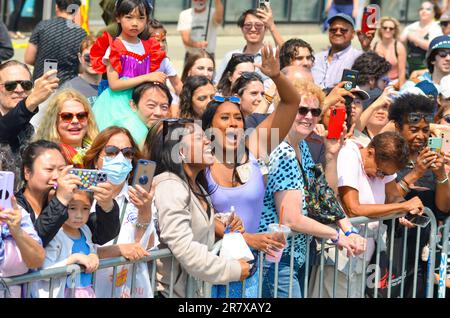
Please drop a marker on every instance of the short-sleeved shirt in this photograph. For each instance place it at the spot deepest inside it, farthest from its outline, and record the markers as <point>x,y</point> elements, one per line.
<point>189,20</point>
<point>284,175</point>
<point>58,39</point>
<point>90,91</point>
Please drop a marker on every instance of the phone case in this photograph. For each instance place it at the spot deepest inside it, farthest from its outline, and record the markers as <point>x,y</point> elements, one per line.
<point>419,220</point>
<point>6,189</point>
<point>435,144</point>
<point>337,118</point>
<point>365,25</point>
<point>143,175</point>
<point>445,141</point>
<point>89,177</point>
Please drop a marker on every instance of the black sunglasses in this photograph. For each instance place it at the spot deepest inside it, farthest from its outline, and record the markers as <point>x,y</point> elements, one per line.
<point>443,53</point>
<point>414,118</point>
<point>335,30</point>
<point>315,112</point>
<point>112,151</point>
<point>11,85</point>
<point>444,24</point>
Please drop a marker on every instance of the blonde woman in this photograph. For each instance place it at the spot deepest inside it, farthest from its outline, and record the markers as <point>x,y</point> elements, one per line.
<point>392,49</point>
<point>69,121</point>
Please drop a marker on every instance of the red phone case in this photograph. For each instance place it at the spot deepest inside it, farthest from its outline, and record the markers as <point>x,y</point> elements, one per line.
<point>368,11</point>
<point>335,126</point>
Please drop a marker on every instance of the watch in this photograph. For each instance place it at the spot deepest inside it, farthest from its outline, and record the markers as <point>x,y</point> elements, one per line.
<point>353,230</point>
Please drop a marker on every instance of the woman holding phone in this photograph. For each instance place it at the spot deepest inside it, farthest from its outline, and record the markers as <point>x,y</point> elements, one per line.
<point>115,152</point>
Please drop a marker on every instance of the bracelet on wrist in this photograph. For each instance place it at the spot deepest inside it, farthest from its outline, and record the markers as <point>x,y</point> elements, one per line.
<point>143,226</point>
<point>442,181</point>
<point>353,230</point>
<point>337,238</point>
<point>404,186</point>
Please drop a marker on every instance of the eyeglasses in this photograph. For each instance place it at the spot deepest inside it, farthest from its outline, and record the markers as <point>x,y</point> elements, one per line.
<point>388,28</point>
<point>68,117</point>
<point>87,58</point>
<point>11,85</point>
<point>341,30</point>
<point>315,112</point>
<point>223,99</point>
<point>112,151</point>
<point>252,75</point>
<point>381,174</point>
<point>443,53</point>
<point>414,118</point>
<point>444,24</point>
<point>446,118</point>
<point>249,26</point>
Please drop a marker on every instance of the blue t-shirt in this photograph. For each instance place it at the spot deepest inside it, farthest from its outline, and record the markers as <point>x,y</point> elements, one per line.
<point>285,174</point>
<point>80,246</point>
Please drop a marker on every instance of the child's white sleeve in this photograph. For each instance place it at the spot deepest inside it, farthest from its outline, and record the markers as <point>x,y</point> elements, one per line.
<point>167,68</point>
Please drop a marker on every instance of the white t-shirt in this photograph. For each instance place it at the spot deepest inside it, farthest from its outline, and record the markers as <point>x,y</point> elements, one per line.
<point>194,22</point>
<point>137,48</point>
<point>434,30</point>
<point>167,68</point>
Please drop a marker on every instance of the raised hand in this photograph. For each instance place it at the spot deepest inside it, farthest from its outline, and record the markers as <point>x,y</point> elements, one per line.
<point>103,193</point>
<point>66,185</point>
<point>270,65</point>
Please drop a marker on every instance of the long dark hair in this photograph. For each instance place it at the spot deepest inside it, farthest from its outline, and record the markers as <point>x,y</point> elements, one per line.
<point>224,85</point>
<point>124,7</point>
<point>191,84</point>
<point>191,61</point>
<point>207,120</point>
<point>159,148</point>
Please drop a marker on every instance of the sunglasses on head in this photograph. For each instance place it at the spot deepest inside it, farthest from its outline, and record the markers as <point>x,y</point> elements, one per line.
<point>223,99</point>
<point>68,117</point>
<point>443,53</point>
<point>249,26</point>
<point>414,118</point>
<point>252,75</point>
<point>11,85</point>
<point>112,151</point>
<point>336,30</point>
<point>315,112</point>
<point>446,118</point>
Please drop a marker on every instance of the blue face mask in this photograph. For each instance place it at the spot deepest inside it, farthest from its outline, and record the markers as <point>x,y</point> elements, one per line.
<point>117,168</point>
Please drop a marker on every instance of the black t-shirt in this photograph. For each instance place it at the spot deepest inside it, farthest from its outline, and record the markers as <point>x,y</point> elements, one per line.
<point>58,39</point>
<point>343,2</point>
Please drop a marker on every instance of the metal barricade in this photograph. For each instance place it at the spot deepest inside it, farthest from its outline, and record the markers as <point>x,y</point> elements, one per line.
<point>363,282</point>
<point>443,260</point>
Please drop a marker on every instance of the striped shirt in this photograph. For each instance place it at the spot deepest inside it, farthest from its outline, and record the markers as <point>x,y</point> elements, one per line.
<point>58,39</point>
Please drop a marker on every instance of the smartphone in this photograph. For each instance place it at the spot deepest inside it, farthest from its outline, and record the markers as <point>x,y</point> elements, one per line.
<point>6,189</point>
<point>370,18</point>
<point>419,220</point>
<point>435,144</point>
<point>263,4</point>
<point>143,175</point>
<point>89,178</point>
<point>335,126</point>
<point>351,77</point>
<point>50,65</point>
<point>445,141</point>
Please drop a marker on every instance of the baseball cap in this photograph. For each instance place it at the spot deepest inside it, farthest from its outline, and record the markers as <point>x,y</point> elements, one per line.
<point>361,93</point>
<point>445,86</point>
<point>342,16</point>
<point>425,88</point>
<point>439,42</point>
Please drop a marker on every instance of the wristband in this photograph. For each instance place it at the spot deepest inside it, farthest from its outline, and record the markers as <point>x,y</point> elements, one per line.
<point>404,187</point>
<point>143,226</point>
<point>337,239</point>
<point>353,230</point>
<point>442,181</point>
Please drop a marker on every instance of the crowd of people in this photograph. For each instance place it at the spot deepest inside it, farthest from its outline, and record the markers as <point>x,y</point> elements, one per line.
<point>251,135</point>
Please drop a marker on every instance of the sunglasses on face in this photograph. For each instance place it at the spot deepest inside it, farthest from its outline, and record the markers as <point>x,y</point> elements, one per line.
<point>87,58</point>
<point>443,53</point>
<point>223,99</point>
<point>249,26</point>
<point>315,112</point>
<point>11,85</point>
<point>447,118</point>
<point>112,151</point>
<point>414,118</point>
<point>388,28</point>
<point>68,117</point>
<point>336,30</point>
<point>443,24</point>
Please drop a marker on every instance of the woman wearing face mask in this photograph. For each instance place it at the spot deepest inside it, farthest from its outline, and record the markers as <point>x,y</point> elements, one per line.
<point>197,92</point>
<point>69,121</point>
<point>250,89</point>
<point>115,152</point>
<point>44,170</point>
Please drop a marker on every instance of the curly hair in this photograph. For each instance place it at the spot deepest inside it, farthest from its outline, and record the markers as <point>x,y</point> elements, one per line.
<point>48,128</point>
<point>370,66</point>
<point>191,84</point>
<point>410,103</point>
<point>289,51</point>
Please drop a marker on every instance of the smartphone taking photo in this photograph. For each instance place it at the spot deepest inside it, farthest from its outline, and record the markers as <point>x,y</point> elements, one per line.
<point>418,220</point>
